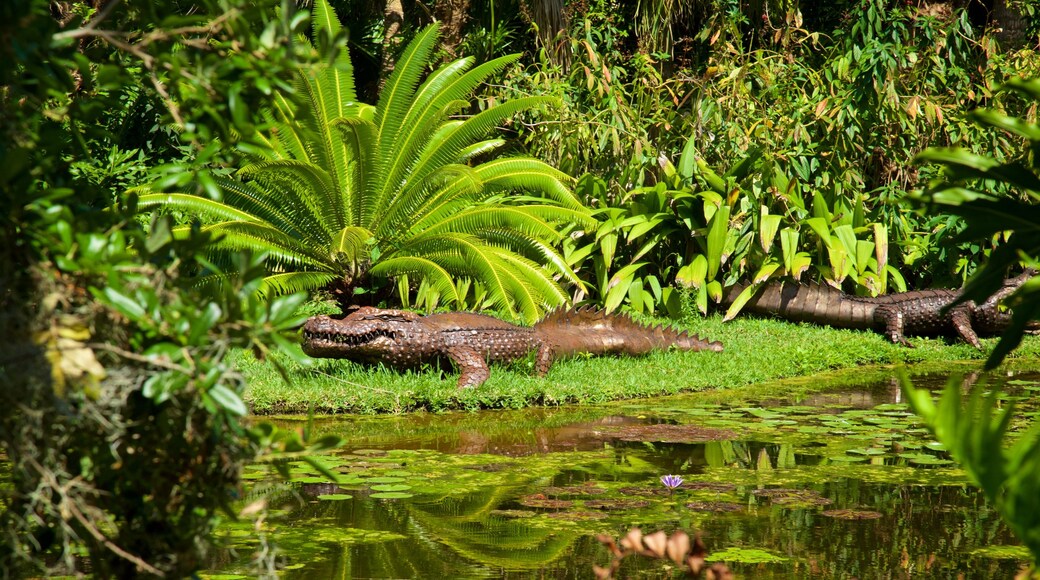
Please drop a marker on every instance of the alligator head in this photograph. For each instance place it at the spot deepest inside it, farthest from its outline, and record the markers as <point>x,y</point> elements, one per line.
<point>992,316</point>
<point>365,334</point>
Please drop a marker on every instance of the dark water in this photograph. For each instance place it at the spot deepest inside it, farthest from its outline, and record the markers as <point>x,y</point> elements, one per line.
<point>770,485</point>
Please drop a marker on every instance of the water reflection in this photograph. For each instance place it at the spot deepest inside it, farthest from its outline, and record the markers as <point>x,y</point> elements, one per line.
<point>523,494</point>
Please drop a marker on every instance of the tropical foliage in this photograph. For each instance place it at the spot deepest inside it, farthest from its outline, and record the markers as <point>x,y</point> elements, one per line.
<point>121,417</point>
<point>348,194</point>
<point>636,155</point>
<point>792,145</point>
<point>972,188</point>
<point>976,431</point>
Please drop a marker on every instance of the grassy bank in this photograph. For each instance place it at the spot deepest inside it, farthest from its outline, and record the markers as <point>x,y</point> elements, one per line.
<point>757,351</point>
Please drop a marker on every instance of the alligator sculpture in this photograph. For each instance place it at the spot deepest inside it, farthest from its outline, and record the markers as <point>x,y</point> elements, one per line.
<point>403,339</point>
<point>916,313</point>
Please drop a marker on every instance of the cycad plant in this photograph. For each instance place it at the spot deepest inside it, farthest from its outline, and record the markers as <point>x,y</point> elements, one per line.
<point>346,196</point>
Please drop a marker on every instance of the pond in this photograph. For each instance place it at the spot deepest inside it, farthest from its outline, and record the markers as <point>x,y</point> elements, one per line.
<point>838,484</point>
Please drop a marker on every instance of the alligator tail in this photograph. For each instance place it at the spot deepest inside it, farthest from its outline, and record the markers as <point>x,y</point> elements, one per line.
<point>799,302</point>
<point>589,330</point>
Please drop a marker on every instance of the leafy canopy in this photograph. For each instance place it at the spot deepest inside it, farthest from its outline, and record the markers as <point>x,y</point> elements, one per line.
<point>343,195</point>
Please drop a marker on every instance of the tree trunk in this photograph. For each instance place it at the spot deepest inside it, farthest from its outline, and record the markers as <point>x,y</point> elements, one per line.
<point>1009,24</point>
<point>393,19</point>
<point>452,15</point>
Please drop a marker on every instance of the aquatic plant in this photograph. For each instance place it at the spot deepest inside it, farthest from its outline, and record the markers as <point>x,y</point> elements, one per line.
<point>660,546</point>
<point>671,481</point>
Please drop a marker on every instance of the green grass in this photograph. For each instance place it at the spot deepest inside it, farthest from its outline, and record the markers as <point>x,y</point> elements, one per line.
<point>757,351</point>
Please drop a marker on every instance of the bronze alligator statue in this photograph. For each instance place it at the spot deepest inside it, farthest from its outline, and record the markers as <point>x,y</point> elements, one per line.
<point>916,313</point>
<point>403,339</point>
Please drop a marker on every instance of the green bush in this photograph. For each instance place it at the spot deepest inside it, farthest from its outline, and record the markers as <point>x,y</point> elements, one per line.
<point>121,417</point>
<point>346,196</point>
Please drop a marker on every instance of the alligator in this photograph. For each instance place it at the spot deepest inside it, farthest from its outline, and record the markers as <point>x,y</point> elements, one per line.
<point>403,339</point>
<point>916,313</point>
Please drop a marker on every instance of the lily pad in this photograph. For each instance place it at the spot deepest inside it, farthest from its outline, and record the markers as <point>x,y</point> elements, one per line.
<point>717,507</point>
<point>672,433</point>
<point>849,514</point>
<point>745,556</point>
<point>335,496</point>
<point>391,487</point>
<point>391,495</point>
<point>542,502</point>
<point>385,479</point>
<point>577,516</point>
<point>617,504</point>
<point>1002,552</point>
<point>576,490</point>
<point>514,513</point>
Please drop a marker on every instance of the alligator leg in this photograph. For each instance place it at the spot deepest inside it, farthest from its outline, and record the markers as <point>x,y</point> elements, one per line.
<point>892,320</point>
<point>962,323</point>
<point>473,369</point>
<point>543,359</point>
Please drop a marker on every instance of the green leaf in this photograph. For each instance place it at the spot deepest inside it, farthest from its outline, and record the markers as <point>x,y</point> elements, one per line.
<point>228,400</point>
<point>789,246</point>
<point>769,226</point>
<point>125,305</point>
<point>739,302</point>
<point>718,230</point>
<point>693,274</point>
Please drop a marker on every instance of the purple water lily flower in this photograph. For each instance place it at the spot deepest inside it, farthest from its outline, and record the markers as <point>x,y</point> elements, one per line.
<point>671,481</point>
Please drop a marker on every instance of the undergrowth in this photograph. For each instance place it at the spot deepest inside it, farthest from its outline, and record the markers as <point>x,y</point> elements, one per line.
<point>756,351</point>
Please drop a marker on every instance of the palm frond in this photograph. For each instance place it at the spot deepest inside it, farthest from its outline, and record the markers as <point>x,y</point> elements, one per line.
<point>308,189</point>
<point>452,188</point>
<point>478,218</point>
<point>426,269</point>
<point>259,238</point>
<point>537,251</point>
<point>356,194</point>
<point>530,285</point>
<point>270,207</point>
<point>480,148</point>
<point>530,175</point>
<point>448,147</point>
<point>351,242</point>
<point>399,92</point>
<point>292,282</point>
<point>338,85</point>
<point>194,204</point>
<point>288,133</point>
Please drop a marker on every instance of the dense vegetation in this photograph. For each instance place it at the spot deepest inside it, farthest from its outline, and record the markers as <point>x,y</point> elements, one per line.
<point>513,156</point>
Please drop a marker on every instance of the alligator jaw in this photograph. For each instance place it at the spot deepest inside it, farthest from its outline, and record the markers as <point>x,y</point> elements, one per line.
<point>324,337</point>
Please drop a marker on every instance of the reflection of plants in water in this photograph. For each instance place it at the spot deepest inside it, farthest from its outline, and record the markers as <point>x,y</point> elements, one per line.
<point>976,431</point>
<point>760,500</point>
